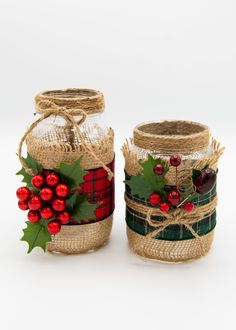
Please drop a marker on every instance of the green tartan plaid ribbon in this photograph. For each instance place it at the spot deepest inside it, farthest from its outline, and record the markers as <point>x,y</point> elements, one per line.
<point>137,221</point>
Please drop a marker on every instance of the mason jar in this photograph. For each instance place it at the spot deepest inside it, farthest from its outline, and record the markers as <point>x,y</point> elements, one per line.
<point>159,226</point>
<point>71,127</point>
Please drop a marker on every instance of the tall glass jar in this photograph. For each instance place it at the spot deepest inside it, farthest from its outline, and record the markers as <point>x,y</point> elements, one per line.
<point>70,127</point>
<point>162,162</point>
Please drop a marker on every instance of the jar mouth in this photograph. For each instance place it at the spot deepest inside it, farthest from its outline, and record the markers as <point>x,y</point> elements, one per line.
<point>89,100</point>
<point>172,136</point>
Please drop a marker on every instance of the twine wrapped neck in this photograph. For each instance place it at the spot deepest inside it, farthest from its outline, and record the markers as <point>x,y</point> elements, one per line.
<point>174,136</point>
<point>72,100</point>
<point>67,114</point>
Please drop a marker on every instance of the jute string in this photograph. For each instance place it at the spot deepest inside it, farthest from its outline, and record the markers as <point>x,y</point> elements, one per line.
<point>68,116</point>
<point>172,136</point>
<point>177,216</point>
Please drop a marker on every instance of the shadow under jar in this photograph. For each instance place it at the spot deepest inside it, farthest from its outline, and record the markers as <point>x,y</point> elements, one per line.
<point>170,172</point>
<point>55,140</point>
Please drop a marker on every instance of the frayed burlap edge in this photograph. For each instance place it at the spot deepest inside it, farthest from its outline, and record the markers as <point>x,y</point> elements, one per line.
<point>51,154</point>
<point>77,239</point>
<point>133,167</point>
<point>169,251</point>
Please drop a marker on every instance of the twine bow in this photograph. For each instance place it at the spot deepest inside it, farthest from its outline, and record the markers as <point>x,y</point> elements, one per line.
<point>178,216</point>
<point>67,114</point>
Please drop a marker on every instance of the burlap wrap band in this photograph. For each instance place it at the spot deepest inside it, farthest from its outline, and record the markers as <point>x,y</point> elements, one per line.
<point>50,152</point>
<point>81,238</point>
<point>172,136</point>
<point>90,100</point>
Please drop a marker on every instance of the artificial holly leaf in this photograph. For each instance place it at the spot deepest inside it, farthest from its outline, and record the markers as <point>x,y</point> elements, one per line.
<point>147,182</point>
<point>36,234</point>
<point>150,163</point>
<point>72,172</point>
<point>71,201</point>
<point>26,177</point>
<point>31,163</point>
<point>83,210</point>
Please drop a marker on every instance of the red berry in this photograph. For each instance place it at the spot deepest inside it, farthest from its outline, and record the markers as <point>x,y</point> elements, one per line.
<point>47,212</point>
<point>54,227</point>
<point>158,169</point>
<point>33,216</point>
<point>62,190</point>
<point>174,197</point>
<point>64,217</point>
<point>46,172</point>
<point>23,205</point>
<point>59,204</point>
<point>37,180</point>
<point>154,199</point>
<point>164,207</point>
<point>52,179</point>
<point>23,193</point>
<point>46,194</point>
<point>35,202</point>
<point>188,206</point>
<point>175,160</point>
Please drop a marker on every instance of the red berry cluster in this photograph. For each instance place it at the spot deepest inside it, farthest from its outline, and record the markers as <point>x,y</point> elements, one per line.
<point>48,203</point>
<point>173,196</point>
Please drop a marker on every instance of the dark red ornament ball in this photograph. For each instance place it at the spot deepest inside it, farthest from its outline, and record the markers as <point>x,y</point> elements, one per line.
<point>52,179</point>
<point>164,207</point>
<point>23,193</point>
<point>58,204</point>
<point>175,160</point>
<point>33,216</point>
<point>23,205</point>
<point>47,212</point>
<point>174,197</point>
<point>54,227</point>
<point>62,190</point>
<point>37,180</point>
<point>64,217</point>
<point>35,202</point>
<point>154,199</point>
<point>46,194</point>
<point>158,169</point>
<point>188,206</point>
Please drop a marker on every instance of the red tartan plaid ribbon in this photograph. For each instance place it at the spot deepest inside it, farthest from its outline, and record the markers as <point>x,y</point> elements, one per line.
<point>100,190</point>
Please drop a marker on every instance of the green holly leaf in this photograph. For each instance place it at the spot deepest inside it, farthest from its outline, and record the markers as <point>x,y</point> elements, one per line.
<point>83,209</point>
<point>72,200</point>
<point>36,168</point>
<point>147,182</point>
<point>36,234</point>
<point>72,172</point>
<point>26,177</point>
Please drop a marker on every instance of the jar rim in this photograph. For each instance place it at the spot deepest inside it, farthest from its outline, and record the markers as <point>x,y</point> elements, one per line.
<point>89,100</point>
<point>178,136</point>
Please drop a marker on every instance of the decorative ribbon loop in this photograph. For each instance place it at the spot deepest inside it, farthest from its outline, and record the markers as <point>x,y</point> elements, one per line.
<point>54,109</point>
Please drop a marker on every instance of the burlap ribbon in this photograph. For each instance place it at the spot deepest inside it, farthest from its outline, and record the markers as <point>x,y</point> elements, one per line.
<point>54,109</point>
<point>175,217</point>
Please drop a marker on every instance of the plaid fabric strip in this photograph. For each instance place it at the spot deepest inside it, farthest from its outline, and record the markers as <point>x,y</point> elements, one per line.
<point>100,191</point>
<point>136,220</point>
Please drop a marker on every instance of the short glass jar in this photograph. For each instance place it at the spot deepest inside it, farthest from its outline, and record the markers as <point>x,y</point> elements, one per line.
<point>162,230</point>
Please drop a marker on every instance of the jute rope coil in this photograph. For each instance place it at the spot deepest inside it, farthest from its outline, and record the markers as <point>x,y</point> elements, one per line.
<point>172,136</point>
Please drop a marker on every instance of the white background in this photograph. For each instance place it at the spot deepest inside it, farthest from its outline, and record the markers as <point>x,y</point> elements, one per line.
<point>153,60</point>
